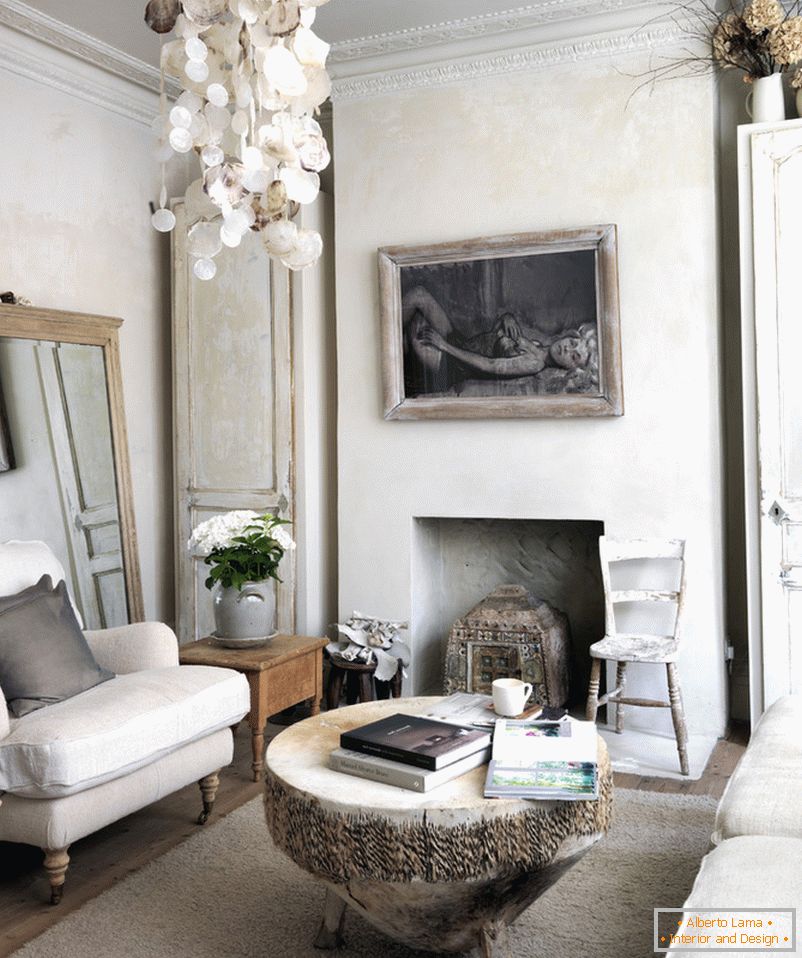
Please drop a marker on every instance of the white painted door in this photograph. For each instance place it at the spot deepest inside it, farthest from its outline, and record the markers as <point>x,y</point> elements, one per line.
<point>232,394</point>
<point>777,250</point>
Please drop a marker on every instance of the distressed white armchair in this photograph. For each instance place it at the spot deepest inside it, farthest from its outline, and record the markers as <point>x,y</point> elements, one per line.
<point>71,768</point>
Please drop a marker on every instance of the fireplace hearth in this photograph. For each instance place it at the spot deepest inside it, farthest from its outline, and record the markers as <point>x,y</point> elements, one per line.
<point>457,562</point>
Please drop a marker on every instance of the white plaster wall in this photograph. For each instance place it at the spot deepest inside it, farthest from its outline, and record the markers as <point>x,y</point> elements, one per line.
<point>75,234</point>
<point>524,152</point>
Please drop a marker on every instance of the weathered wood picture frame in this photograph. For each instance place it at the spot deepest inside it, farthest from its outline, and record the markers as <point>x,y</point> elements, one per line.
<point>517,326</point>
<point>7,461</point>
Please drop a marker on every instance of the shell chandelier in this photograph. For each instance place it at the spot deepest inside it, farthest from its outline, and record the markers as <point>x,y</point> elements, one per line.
<point>253,75</point>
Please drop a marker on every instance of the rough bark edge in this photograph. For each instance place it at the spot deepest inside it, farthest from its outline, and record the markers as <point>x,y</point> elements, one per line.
<point>342,848</point>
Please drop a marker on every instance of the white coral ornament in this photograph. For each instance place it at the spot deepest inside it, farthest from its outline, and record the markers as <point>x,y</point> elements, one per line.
<point>253,74</point>
<point>365,638</point>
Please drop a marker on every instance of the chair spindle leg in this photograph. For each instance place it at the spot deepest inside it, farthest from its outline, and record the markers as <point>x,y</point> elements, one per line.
<point>592,706</point>
<point>620,682</point>
<point>678,715</point>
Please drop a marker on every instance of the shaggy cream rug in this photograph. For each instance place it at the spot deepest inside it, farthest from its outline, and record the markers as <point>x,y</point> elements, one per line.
<point>227,893</point>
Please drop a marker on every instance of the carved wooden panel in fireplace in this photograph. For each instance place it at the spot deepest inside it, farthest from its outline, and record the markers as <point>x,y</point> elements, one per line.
<point>510,634</point>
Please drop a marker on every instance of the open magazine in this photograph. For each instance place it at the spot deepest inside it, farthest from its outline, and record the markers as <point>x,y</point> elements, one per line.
<point>543,760</point>
<point>471,708</point>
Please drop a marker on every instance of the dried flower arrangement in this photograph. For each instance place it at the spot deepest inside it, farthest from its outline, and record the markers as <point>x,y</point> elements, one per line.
<point>759,38</point>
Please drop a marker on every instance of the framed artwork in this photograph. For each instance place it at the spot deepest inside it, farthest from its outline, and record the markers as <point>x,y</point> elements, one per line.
<point>6,449</point>
<point>517,326</point>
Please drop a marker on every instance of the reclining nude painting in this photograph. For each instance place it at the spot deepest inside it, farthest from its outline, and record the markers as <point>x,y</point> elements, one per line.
<point>502,327</point>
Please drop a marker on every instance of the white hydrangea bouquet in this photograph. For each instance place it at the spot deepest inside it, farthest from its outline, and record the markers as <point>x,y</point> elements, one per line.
<point>241,546</point>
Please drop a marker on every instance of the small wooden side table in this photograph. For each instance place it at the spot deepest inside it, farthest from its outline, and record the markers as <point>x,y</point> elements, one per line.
<point>286,671</point>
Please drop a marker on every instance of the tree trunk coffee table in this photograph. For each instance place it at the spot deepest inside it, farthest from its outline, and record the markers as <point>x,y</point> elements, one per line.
<point>286,671</point>
<point>444,871</point>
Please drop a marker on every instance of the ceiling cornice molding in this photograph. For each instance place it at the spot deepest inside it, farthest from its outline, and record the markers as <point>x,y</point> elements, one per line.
<point>496,24</point>
<point>25,57</point>
<point>532,58</point>
<point>33,23</point>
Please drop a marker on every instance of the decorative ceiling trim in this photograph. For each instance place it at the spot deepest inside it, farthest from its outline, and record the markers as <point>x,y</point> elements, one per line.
<point>33,23</point>
<point>43,64</point>
<point>539,57</point>
<point>468,28</point>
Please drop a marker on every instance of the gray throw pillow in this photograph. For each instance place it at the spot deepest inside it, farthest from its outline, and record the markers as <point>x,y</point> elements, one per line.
<point>44,657</point>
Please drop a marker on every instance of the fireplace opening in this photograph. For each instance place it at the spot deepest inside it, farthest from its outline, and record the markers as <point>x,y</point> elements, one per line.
<point>456,562</point>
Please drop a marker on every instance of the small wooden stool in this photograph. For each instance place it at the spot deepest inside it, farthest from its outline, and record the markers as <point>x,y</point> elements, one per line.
<point>359,682</point>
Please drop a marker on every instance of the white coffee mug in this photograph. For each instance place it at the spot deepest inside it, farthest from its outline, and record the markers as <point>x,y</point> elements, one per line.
<point>510,695</point>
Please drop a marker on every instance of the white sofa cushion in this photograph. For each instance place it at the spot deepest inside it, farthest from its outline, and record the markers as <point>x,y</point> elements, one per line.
<point>763,795</point>
<point>58,822</point>
<point>116,727</point>
<point>747,872</point>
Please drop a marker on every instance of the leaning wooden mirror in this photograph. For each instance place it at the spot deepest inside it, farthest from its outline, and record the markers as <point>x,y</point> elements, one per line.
<point>68,475</point>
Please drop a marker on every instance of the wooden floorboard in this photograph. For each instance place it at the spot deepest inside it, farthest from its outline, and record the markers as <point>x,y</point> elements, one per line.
<point>108,856</point>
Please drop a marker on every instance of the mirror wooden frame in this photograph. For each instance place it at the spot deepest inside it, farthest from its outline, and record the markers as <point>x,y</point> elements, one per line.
<point>51,325</point>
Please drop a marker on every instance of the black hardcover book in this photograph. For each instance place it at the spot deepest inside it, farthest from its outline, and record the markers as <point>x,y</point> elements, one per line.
<point>415,740</point>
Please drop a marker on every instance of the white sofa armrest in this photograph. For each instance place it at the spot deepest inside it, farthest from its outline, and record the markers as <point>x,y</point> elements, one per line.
<point>133,648</point>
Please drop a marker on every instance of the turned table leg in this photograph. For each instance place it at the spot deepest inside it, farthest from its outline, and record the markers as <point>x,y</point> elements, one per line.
<point>330,933</point>
<point>257,719</point>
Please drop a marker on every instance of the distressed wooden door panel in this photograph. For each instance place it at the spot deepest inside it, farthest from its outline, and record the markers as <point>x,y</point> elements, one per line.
<point>73,381</point>
<point>232,381</point>
<point>777,240</point>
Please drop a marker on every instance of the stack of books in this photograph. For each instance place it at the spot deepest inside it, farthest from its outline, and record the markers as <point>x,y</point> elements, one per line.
<point>543,760</point>
<point>411,751</point>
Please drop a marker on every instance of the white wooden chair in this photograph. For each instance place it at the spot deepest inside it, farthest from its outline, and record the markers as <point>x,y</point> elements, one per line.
<point>622,647</point>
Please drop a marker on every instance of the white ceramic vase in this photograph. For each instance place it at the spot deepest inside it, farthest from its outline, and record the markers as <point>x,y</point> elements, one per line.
<point>244,618</point>
<point>765,102</point>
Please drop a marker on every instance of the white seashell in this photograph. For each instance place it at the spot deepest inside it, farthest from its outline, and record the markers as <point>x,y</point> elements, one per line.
<point>190,101</point>
<point>260,35</point>
<point>283,17</point>
<point>230,238</point>
<point>274,142</point>
<point>257,181</point>
<point>203,240</point>
<point>163,220</point>
<point>204,269</point>
<point>205,12</point>
<point>275,199</point>
<point>318,90</point>
<point>173,58</point>
<point>280,237</point>
<point>248,11</point>
<point>306,250</point>
<point>302,186</point>
<point>161,15</point>
<point>284,71</point>
<point>313,152</point>
<point>212,155</point>
<point>197,204</point>
<point>223,184</point>
<point>309,48</point>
